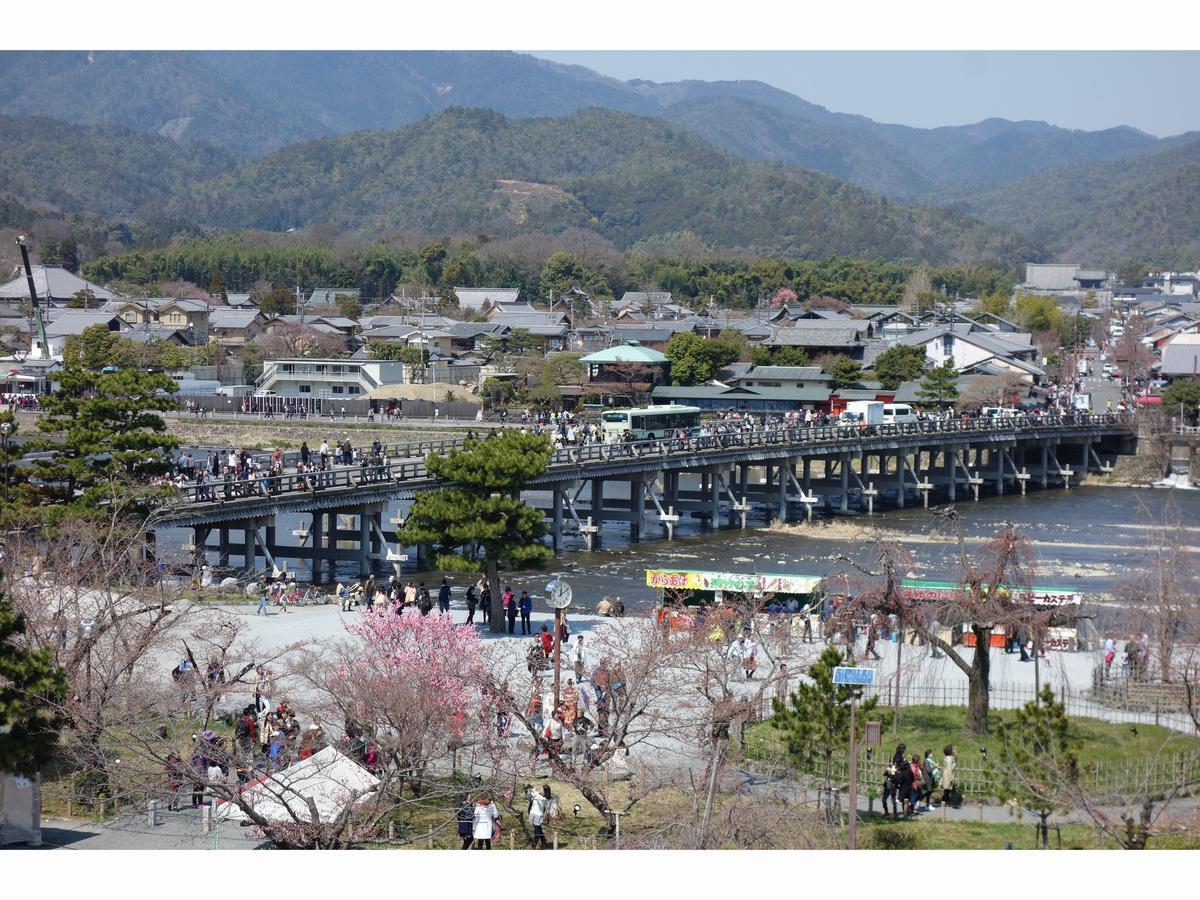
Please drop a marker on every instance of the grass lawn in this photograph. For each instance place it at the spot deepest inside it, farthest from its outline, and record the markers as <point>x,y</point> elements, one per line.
<point>933,727</point>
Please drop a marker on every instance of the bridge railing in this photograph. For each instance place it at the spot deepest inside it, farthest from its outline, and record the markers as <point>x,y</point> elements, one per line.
<point>374,471</point>
<point>820,434</point>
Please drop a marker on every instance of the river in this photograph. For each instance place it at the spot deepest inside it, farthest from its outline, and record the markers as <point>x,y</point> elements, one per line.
<point>1089,539</point>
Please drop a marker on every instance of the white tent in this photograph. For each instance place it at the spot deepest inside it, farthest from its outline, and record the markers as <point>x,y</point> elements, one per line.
<point>329,778</point>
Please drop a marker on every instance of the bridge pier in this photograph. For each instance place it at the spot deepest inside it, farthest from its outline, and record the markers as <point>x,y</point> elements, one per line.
<point>637,508</point>
<point>318,537</point>
<point>597,512</point>
<point>556,528</point>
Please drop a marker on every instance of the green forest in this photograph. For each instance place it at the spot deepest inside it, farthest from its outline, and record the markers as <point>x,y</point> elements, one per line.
<point>251,260</point>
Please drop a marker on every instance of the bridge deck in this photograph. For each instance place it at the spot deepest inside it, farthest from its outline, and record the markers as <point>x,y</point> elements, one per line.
<point>381,482</point>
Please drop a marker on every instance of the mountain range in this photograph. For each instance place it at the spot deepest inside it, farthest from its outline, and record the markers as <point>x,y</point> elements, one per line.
<point>239,119</point>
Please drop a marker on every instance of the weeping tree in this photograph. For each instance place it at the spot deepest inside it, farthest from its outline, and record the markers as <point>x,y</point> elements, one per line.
<point>477,520</point>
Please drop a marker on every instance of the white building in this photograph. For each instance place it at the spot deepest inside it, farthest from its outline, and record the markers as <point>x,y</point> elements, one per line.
<point>325,379</point>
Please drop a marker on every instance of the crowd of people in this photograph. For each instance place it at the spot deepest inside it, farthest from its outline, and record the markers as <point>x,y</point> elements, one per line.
<point>22,402</point>
<point>909,784</point>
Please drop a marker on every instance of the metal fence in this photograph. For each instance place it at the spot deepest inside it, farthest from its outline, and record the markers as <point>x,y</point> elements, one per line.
<point>1156,775</point>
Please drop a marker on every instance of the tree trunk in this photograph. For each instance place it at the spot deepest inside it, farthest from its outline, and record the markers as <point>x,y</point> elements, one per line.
<point>496,613</point>
<point>978,681</point>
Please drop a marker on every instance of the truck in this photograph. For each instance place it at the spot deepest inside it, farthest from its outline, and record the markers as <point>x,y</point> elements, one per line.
<point>1082,368</point>
<point>869,412</point>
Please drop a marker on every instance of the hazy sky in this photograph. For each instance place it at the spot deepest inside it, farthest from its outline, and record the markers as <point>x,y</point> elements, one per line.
<point>1153,91</point>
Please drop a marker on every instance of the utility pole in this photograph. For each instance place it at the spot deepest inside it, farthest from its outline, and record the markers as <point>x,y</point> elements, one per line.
<point>300,304</point>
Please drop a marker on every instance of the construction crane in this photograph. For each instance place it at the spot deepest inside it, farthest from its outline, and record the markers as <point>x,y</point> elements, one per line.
<point>43,344</point>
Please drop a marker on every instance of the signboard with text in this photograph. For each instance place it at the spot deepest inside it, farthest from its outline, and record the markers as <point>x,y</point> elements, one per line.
<point>945,590</point>
<point>731,581</point>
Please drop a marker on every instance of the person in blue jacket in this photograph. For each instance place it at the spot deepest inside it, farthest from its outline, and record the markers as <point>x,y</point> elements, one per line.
<point>526,606</point>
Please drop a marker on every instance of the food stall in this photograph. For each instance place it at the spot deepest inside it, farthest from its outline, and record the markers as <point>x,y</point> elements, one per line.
<point>1042,597</point>
<point>683,594</point>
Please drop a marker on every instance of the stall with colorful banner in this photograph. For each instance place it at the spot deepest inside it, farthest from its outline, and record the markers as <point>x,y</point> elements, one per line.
<point>682,592</point>
<point>1042,597</point>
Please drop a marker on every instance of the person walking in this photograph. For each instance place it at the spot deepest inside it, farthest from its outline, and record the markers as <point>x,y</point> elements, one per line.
<point>539,804</point>
<point>262,603</point>
<point>510,609</point>
<point>444,597</point>
<point>526,609</point>
<point>872,636</point>
<point>890,787</point>
<point>485,821</point>
<point>472,602</point>
<point>904,787</point>
<point>950,794</point>
<point>466,821</point>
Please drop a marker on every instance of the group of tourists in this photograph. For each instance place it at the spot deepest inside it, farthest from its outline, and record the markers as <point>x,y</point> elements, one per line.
<point>22,402</point>
<point>909,784</point>
<point>265,739</point>
<point>590,695</point>
<point>479,819</point>
<point>1132,657</point>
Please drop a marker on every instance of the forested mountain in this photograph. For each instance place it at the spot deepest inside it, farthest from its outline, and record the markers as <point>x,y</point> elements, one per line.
<point>173,94</point>
<point>755,131</point>
<point>1145,206</point>
<point>627,178</point>
<point>254,102</point>
<point>107,170</point>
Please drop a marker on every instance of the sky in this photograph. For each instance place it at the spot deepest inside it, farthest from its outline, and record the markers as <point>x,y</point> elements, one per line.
<point>1152,91</point>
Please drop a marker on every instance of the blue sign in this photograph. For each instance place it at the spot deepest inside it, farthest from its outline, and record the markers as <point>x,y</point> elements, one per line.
<point>855,676</point>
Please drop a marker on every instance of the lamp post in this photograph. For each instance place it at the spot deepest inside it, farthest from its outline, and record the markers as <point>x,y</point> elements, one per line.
<point>5,431</point>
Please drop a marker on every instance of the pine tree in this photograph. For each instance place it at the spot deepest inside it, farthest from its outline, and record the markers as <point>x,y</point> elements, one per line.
<point>32,689</point>
<point>940,386</point>
<point>818,723</point>
<point>481,510</point>
<point>106,440</point>
<point>1038,760</point>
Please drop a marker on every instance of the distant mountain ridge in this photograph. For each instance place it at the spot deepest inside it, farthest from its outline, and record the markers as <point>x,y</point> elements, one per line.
<point>163,133</point>
<point>255,102</point>
<point>627,178</point>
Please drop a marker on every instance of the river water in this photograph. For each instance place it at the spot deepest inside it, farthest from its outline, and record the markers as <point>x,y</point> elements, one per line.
<point>1089,539</point>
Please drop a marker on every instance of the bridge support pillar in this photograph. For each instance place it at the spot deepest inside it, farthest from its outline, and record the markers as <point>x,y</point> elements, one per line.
<point>900,489</point>
<point>376,526</point>
<point>950,463</point>
<point>783,497</point>
<point>269,534</point>
<point>637,508</point>
<point>713,495</point>
<point>807,475</point>
<point>556,533</point>
<point>998,458</point>
<point>364,543</point>
<point>844,470</point>
<point>1045,464</point>
<point>249,552</point>
<point>318,547</point>
<point>597,512</point>
<point>223,547</point>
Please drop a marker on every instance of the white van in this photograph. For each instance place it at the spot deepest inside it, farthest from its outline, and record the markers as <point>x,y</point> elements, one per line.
<point>898,414</point>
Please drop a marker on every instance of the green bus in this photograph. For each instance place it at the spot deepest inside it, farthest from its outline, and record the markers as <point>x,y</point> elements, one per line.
<point>647,423</point>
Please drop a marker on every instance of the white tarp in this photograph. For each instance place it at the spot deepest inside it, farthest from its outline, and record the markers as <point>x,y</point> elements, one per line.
<point>20,810</point>
<point>329,778</point>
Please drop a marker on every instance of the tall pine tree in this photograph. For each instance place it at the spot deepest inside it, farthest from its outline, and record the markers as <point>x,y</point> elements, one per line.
<point>940,386</point>
<point>481,511</point>
<point>32,689</point>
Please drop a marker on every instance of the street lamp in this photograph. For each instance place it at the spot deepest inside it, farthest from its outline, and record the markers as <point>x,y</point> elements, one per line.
<point>5,431</point>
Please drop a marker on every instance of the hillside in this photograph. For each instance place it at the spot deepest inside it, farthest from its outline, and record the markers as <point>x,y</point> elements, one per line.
<point>625,177</point>
<point>107,170</point>
<point>755,131</point>
<point>172,94</point>
<point>255,102</point>
<point>1145,206</point>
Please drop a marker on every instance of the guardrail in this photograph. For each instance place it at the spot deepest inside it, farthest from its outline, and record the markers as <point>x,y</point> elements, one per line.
<point>376,470</point>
